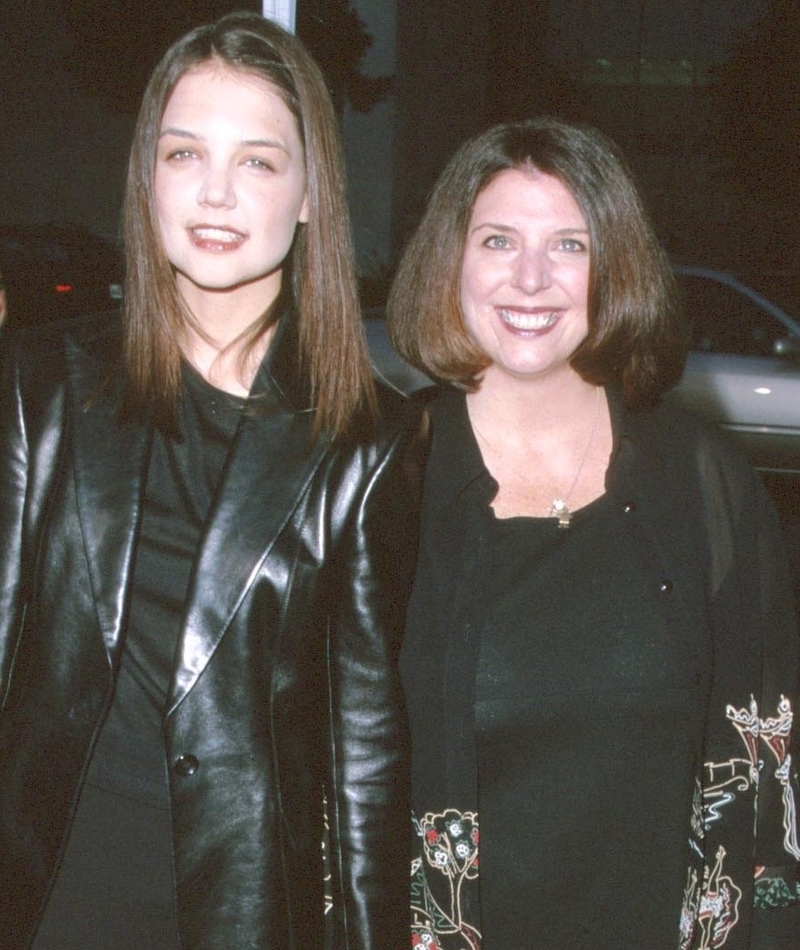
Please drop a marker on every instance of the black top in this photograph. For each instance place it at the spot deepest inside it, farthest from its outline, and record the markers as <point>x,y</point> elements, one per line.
<point>559,694</point>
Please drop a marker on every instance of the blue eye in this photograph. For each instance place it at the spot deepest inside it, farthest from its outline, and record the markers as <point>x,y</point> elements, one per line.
<point>497,242</point>
<point>573,245</point>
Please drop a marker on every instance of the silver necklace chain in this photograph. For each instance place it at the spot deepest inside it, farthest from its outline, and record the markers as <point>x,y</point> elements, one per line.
<point>558,507</point>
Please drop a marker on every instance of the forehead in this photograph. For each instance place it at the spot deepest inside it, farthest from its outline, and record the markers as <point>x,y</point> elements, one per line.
<point>217,91</point>
<point>525,195</point>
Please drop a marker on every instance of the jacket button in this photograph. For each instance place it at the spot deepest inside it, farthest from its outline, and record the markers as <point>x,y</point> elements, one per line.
<point>186,765</point>
<point>665,587</point>
<point>629,507</point>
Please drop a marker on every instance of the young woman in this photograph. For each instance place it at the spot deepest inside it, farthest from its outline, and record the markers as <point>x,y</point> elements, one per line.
<point>601,655</point>
<point>206,537</point>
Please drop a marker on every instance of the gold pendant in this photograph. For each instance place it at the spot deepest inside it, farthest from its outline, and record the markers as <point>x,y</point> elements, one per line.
<point>559,510</point>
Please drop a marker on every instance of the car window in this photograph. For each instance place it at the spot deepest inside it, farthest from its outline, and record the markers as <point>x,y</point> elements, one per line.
<point>726,321</point>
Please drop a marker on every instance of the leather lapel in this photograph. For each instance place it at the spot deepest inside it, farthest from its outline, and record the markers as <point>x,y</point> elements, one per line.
<point>270,465</point>
<point>109,462</point>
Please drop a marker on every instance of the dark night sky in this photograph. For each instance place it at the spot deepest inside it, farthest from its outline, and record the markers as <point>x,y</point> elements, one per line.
<point>62,155</point>
<point>668,29</point>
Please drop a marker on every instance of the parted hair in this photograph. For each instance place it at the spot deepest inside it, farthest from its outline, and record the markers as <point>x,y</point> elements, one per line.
<point>319,273</point>
<point>637,335</point>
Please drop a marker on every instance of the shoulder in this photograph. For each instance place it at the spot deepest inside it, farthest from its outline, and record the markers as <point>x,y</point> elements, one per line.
<point>396,440</point>
<point>45,370</point>
<point>695,457</point>
<point>711,447</point>
<point>682,438</point>
<point>399,417</point>
<point>40,352</point>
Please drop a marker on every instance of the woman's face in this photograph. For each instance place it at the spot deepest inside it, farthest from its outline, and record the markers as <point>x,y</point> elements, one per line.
<point>230,185</point>
<point>525,275</point>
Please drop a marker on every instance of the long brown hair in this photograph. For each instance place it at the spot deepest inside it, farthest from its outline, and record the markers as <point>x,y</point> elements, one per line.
<point>319,274</point>
<point>637,336</point>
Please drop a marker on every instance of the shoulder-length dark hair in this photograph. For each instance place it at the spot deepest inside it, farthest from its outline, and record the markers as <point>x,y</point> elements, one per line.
<point>319,274</point>
<point>637,337</point>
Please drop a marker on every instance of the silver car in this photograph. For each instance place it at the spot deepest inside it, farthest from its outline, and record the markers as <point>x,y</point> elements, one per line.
<point>743,371</point>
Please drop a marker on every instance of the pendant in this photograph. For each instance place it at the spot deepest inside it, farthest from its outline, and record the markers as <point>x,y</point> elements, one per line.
<point>559,510</point>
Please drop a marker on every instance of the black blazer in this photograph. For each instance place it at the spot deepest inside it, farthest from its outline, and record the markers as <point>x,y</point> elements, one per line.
<point>286,680</point>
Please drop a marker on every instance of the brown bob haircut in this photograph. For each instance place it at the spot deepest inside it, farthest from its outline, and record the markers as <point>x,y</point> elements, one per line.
<point>637,338</point>
<point>319,275</point>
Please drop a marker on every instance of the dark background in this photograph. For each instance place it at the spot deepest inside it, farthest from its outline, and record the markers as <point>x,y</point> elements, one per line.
<point>703,95</point>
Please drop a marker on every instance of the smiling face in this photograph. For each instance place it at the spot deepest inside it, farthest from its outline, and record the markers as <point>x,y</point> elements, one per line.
<point>230,187</point>
<point>525,275</point>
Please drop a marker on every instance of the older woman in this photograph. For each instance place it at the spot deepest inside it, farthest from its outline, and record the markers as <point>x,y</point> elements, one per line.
<point>207,534</point>
<point>601,655</point>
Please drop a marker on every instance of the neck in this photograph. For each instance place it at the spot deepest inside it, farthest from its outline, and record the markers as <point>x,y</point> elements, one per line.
<point>231,368</point>
<point>513,410</point>
<point>220,342</point>
<point>546,445</point>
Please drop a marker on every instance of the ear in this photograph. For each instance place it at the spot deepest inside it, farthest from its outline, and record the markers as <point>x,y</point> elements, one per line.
<point>302,217</point>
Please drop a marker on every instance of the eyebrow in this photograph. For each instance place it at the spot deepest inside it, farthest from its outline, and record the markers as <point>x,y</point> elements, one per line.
<point>508,229</point>
<point>249,143</point>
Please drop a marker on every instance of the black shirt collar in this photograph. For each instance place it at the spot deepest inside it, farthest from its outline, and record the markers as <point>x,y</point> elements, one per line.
<point>456,465</point>
<point>279,375</point>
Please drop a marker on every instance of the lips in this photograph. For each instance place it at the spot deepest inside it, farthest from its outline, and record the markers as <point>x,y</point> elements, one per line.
<point>529,320</point>
<point>211,238</point>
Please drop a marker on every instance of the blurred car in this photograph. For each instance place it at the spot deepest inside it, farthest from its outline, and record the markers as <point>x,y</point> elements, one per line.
<point>387,364</point>
<point>743,371</point>
<point>56,271</point>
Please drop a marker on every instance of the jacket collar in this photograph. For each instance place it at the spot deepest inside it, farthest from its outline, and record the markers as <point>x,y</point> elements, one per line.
<point>638,444</point>
<point>280,374</point>
<point>109,466</point>
<point>456,465</point>
<point>271,462</point>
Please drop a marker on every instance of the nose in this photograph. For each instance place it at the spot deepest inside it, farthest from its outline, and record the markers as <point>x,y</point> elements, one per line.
<point>217,189</point>
<point>532,270</point>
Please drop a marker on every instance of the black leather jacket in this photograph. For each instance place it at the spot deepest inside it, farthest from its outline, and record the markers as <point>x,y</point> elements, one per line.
<point>287,677</point>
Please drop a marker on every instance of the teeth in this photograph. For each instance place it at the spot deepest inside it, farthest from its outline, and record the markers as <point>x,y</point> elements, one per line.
<point>528,321</point>
<point>217,234</point>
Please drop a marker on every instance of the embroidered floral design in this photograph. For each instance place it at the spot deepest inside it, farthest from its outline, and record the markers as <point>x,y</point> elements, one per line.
<point>711,911</point>
<point>697,824</point>
<point>447,864</point>
<point>326,858</point>
<point>711,906</point>
<point>691,903</point>
<point>776,734</point>
<point>773,892</point>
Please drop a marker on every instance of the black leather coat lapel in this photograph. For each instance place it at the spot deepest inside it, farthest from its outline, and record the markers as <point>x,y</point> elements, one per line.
<point>109,470</point>
<point>271,463</point>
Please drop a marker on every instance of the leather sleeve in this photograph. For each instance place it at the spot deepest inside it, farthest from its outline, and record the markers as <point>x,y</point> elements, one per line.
<point>369,813</point>
<point>31,433</point>
<point>13,484</point>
